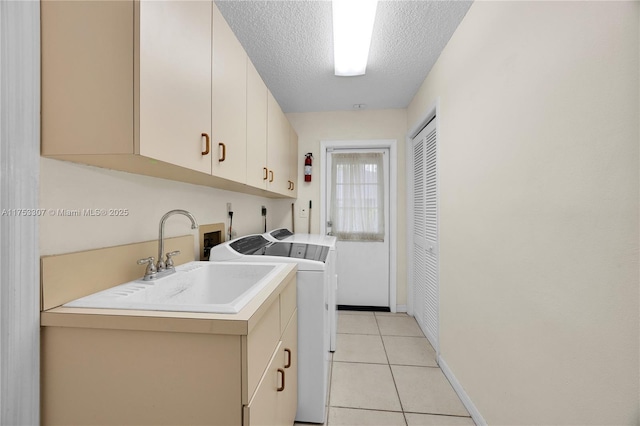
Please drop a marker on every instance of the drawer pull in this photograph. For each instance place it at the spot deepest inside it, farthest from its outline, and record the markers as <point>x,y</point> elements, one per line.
<point>266,172</point>
<point>207,144</point>
<point>270,175</point>
<point>288,352</point>
<point>224,152</point>
<point>281,388</point>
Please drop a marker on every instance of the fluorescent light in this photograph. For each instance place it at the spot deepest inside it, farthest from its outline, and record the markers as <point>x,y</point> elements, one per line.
<point>352,28</point>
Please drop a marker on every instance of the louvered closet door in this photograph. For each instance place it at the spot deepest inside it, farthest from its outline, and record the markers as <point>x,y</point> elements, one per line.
<point>425,233</point>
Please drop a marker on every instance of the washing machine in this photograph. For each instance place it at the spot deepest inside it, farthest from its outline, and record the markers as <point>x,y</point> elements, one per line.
<point>314,266</point>
<point>284,235</point>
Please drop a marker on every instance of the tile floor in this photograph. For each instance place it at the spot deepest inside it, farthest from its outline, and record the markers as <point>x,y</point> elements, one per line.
<point>384,373</point>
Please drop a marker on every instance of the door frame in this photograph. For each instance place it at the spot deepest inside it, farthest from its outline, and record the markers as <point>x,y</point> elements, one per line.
<point>19,249</point>
<point>432,111</point>
<point>391,145</point>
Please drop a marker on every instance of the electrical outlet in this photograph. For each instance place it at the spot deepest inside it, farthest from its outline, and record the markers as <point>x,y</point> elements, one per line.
<point>304,212</point>
<point>229,208</point>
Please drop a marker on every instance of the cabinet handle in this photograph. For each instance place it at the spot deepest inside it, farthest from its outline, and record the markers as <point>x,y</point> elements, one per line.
<point>208,144</point>
<point>270,175</point>
<point>266,171</point>
<point>288,352</point>
<point>281,388</point>
<point>293,186</point>
<point>224,152</point>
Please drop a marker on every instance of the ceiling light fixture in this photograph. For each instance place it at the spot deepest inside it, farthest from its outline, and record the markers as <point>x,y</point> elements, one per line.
<point>352,28</point>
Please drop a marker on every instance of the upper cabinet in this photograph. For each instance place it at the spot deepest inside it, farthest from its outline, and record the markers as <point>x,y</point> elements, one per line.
<point>156,88</point>
<point>87,80</point>
<point>113,80</point>
<point>277,148</point>
<point>272,145</point>
<point>293,162</point>
<point>229,132</point>
<point>257,170</point>
<point>173,61</point>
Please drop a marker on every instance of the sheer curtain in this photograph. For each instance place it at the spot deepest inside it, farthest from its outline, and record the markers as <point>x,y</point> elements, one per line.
<point>357,199</point>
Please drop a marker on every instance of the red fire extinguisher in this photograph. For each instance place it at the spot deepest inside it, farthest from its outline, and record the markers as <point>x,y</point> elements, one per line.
<point>307,166</point>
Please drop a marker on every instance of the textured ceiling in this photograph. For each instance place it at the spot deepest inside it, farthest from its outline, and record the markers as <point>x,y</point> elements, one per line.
<point>291,45</point>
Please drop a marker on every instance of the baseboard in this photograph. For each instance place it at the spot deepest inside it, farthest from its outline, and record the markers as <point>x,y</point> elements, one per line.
<point>457,387</point>
<point>363,308</point>
<point>399,308</point>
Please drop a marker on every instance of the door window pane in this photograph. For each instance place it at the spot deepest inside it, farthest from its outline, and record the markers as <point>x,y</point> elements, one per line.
<point>357,205</point>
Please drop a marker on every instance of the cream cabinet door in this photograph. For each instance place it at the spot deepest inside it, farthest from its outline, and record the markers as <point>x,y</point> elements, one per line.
<point>257,172</point>
<point>229,103</point>
<point>275,400</point>
<point>263,407</point>
<point>174,85</point>
<point>87,96</point>
<point>288,397</point>
<point>293,162</point>
<point>277,148</point>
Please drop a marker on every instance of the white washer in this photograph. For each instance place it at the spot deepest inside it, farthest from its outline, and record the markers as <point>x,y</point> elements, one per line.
<point>284,235</point>
<point>313,283</point>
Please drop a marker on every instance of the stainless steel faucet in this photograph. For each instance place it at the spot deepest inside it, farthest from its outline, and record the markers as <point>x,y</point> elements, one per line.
<point>164,267</point>
<point>168,263</point>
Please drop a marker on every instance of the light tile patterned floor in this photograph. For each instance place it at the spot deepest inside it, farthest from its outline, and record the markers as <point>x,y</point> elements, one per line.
<point>385,373</point>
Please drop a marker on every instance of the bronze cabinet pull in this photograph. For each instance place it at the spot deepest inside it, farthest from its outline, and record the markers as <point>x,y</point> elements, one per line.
<point>293,186</point>
<point>266,171</point>
<point>224,152</point>
<point>288,352</point>
<point>281,388</point>
<point>270,175</point>
<point>207,144</point>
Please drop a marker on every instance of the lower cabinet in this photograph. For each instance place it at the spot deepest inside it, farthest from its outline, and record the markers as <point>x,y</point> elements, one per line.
<point>101,369</point>
<point>275,399</point>
<point>288,399</point>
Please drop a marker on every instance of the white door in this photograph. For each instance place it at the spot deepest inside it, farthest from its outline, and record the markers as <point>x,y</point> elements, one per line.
<point>425,233</point>
<point>357,212</point>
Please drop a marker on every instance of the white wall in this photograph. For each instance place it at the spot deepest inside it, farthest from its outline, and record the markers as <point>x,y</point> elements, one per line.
<point>314,127</point>
<point>539,230</point>
<point>65,185</point>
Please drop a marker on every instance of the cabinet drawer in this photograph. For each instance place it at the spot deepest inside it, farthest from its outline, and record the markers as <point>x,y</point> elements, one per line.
<point>261,342</point>
<point>288,304</point>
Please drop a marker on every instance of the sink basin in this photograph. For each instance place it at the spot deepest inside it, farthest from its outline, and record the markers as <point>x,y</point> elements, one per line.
<point>195,287</point>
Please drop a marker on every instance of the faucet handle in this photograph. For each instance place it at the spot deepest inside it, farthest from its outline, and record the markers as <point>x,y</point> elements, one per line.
<point>169,261</point>
<point>148,260</point>
<point>151,270</point>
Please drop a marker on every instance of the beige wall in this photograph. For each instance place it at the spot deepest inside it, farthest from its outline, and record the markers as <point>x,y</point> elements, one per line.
<point>65,185</point>
<point>350,125</point>
<point>539,209</point>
